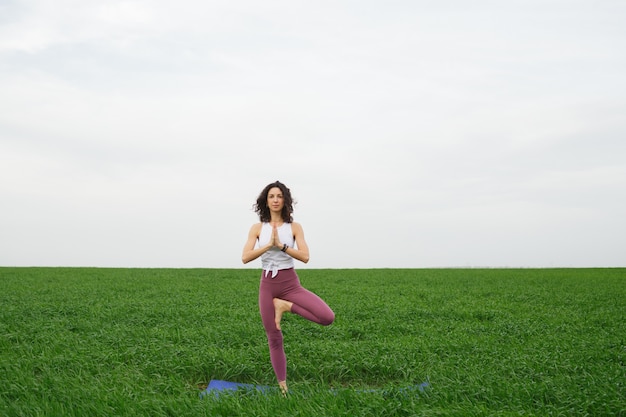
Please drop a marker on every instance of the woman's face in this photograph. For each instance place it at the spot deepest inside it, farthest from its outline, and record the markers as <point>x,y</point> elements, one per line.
<point>275,199</point>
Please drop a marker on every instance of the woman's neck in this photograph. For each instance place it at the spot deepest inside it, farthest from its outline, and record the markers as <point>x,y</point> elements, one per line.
<point>276,220</point>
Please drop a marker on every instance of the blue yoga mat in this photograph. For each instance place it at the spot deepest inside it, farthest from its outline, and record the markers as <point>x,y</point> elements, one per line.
<point>217,386</point>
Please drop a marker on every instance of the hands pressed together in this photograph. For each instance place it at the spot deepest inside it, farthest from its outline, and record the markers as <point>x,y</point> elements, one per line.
<point>275,240</point>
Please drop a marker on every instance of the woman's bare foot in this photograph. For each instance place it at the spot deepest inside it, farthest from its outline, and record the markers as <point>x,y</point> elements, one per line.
<point>283,388</point>
<point>280,307</point>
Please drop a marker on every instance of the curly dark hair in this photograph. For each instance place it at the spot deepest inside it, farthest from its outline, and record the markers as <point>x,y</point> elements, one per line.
<point>261,208</point>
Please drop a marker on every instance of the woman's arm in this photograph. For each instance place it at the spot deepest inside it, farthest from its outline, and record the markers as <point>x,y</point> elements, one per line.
<point>302,253</point>
<point>250,253</point>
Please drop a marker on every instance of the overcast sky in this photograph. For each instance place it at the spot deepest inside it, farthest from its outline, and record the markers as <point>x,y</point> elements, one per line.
<point>412,133</point>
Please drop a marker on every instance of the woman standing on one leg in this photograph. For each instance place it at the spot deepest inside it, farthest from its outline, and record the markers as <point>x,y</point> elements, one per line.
<point>278,240</point>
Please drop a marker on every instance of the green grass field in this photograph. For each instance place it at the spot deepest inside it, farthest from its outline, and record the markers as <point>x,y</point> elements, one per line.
<point>144,342</point>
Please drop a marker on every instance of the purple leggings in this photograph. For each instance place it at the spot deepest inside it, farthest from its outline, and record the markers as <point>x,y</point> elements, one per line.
<point>286,286</point>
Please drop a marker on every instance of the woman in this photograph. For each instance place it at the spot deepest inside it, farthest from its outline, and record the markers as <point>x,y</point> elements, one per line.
<point>278,240</point>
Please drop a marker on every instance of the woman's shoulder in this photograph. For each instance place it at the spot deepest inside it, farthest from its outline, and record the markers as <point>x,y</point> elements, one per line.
<point>256,227</point>
<point>296,226</point>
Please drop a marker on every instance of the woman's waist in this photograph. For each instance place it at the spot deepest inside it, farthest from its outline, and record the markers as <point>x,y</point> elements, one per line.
<point>279,275</point>
<point>277,260</point>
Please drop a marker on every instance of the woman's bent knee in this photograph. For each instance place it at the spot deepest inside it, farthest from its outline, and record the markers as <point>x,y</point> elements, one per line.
<point>327,319</point>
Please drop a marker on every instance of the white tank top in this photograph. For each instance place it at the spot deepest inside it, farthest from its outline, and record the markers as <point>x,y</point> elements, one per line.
<point>275,259</point>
